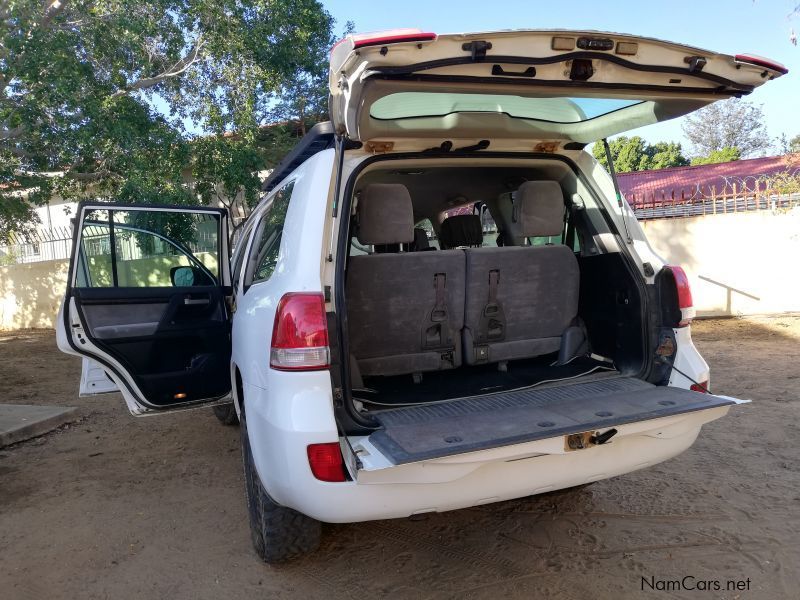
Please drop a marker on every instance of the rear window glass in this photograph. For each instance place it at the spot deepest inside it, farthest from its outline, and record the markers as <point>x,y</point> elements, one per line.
<point>403,105</point>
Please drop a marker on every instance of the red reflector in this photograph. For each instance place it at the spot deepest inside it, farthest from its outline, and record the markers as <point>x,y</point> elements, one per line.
<point>326,461</point>
<point>392,36</point>
<point>760,61</point>
<point>300,333</point>
<point>701,387</point>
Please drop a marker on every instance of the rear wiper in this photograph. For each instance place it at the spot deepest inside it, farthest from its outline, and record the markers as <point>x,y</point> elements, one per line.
<point>482,145</point>
<point>445,146</point>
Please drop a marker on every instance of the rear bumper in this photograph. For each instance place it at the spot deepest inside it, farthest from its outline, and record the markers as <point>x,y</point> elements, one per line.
<point>460,481</point>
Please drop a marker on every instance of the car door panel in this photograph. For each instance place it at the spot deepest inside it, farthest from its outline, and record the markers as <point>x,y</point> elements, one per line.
<point>168,346</point>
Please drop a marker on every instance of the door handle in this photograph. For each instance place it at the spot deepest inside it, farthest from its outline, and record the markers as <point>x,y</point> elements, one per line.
<point>195,301</point>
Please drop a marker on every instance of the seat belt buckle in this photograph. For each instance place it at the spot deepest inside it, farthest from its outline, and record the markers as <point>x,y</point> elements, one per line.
<point>438,315</point>
<point>490,310</point>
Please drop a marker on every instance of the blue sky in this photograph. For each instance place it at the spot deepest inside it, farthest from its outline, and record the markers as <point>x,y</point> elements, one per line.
<point>729,26</point>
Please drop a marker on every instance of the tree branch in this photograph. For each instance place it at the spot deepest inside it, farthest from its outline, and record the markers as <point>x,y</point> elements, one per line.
<point>13,133</point>
<point>88,177</point>
<point>192,57</point>
<point>51,11</point>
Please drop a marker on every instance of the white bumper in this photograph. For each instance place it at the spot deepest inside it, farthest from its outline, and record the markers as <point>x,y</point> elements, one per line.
<point>279,450</point>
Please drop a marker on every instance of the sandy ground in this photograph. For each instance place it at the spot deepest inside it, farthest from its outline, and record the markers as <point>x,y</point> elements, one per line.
<point>118,507</point>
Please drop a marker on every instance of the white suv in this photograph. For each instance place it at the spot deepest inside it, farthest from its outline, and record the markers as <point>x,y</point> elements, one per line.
<point>442,300</point>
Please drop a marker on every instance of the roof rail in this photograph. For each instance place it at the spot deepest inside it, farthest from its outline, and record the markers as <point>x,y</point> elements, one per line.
<point>318,138</point>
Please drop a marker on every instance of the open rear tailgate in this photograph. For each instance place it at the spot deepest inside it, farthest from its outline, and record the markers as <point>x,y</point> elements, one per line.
<point>525,84</point>
<point>432,431</point>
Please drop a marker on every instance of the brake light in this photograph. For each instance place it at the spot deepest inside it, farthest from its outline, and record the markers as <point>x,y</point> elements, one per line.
<point>701,387</point>
<point>300,333</point>
<point>326,461</point>
<point>760,61</point>
<point>685,302</point>
<point>391,36</point>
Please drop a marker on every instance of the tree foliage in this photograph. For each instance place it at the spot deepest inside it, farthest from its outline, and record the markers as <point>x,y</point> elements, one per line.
<point>635,154</point>
<point>718,156</point>
<point>786,145</point>
<point>730,123</point>
<point>125,99</point>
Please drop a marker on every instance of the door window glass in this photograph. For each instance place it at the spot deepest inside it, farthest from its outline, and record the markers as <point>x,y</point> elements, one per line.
<point>265,251</point>
<point>144,248</point>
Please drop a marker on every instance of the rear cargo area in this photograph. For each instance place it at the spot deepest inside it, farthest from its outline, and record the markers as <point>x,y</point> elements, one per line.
<point>494,323</point>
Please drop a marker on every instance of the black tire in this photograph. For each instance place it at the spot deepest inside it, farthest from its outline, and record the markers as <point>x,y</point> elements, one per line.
<point>226,414</point>
<point>278,533</point>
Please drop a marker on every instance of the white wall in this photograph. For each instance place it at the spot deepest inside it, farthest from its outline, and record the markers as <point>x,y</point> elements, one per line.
<point>738,264</point>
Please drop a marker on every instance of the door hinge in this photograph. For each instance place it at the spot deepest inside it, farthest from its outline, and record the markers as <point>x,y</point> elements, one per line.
<point>379,147</point>
<point>477,49</point>
<point>546,147</point>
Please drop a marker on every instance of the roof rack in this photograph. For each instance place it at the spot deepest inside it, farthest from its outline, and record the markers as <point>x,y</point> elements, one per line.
<point>318,138</point>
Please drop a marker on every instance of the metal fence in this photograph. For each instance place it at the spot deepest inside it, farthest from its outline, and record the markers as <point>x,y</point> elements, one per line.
<point>664,208</point>
<point>36,245</point>
<point>766,191</point>
<point>39,245</point>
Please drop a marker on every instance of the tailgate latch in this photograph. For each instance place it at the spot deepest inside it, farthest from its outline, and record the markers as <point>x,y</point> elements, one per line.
<point>478,49</point>
<point>587,439</point>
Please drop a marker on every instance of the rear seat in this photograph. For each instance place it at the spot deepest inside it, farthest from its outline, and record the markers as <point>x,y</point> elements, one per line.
<point>405,310</point>
<point>520,299</point>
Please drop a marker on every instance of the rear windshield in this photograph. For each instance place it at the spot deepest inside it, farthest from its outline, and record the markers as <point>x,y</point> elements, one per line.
<point>404,105</point>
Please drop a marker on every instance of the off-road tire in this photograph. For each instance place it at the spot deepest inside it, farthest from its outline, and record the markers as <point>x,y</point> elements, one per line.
<point>278,533</point>
<point>226,414</point>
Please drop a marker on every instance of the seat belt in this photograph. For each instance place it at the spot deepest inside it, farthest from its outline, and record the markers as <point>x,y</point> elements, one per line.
<point>569,240</point>
<point>439,312</point>
<point>493,320</point>
<point>436,331</point>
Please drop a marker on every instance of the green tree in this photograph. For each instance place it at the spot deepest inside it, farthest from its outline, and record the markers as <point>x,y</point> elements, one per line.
<point>730,123</point>
<point>635,154</point>
<point>718,156</point>
<point>794,144</point>
<point>666,154</point>
<point>115,98</point>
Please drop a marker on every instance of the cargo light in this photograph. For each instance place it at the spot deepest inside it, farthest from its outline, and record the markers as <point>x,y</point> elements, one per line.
<point>300,333</point>
<point>326,462</point>
<point>682,287</point>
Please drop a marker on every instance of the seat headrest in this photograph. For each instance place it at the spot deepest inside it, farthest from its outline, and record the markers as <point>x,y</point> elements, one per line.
<point>461,230</point>
<point>385,214</point>
<point>539,208</point>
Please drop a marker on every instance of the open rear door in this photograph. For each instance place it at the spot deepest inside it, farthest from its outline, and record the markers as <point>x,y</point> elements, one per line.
<point>574,86</point>
<point>146,300</point>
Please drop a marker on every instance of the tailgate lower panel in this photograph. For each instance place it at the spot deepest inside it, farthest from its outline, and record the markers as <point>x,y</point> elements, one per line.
<point>430,431</point>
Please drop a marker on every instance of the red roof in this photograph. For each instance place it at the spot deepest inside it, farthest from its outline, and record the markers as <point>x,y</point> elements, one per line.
<point>704,180</point>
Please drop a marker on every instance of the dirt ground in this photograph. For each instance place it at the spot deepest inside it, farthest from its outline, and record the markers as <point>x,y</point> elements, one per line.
<point>118,507</point>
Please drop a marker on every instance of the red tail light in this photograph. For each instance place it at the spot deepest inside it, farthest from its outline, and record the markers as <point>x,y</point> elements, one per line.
<point>701,387</point>
<point>326,461</point>
<point>685,302</point>
<point>760,61</point>
<point>392,36</point>
<point>300,333</point>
